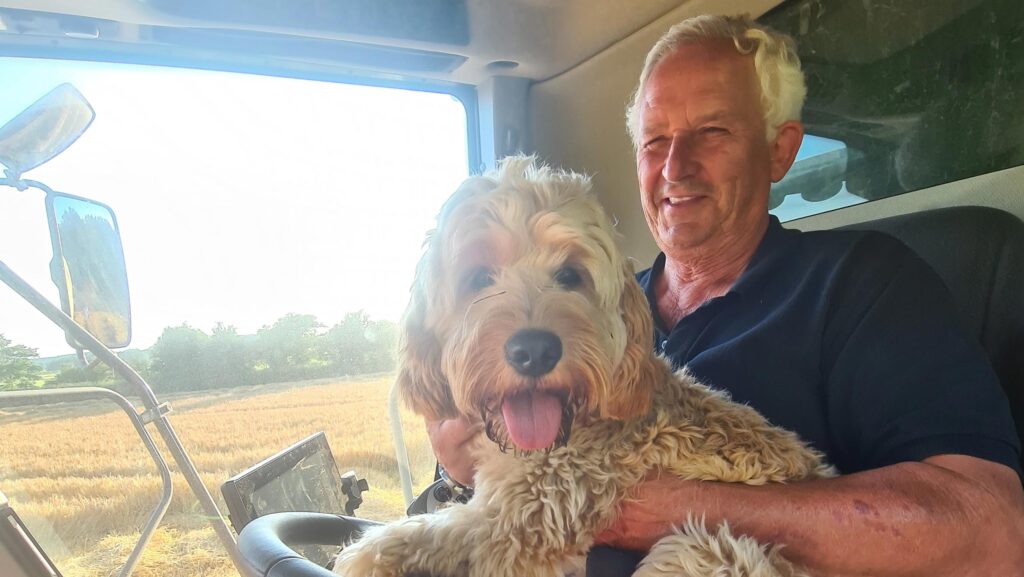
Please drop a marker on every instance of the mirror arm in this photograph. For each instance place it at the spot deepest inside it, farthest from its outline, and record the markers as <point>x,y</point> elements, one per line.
<point>11,179</point>
<point>14,181</point>
<point>89,365</point>
<point>125,371</point>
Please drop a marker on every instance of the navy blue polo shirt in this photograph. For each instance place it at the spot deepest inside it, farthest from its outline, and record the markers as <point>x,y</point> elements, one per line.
<point>850,340</point>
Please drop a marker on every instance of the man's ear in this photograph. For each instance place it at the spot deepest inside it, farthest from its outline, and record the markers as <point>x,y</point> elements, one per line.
<point>783,149</point>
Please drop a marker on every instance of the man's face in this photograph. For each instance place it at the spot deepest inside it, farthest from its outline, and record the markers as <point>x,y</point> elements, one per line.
<point>703,162</point>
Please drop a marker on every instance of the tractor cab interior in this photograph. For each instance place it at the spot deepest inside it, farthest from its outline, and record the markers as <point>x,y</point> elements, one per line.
<point>210,215</point>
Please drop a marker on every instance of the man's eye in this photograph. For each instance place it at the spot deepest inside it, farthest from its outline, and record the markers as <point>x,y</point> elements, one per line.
<point>713,130</point>
<point>567,277</point>
<point>654,142</point>
<point>481,278</point>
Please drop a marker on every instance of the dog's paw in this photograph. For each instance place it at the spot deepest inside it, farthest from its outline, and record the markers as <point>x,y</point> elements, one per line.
<point>407,548</point>
<point>697,552</point>
<point>356,561</point>
<point>374,555</point>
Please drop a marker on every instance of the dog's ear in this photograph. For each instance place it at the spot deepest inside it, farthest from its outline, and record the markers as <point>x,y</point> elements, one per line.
<point>421,382</point>
<point>639,369</point>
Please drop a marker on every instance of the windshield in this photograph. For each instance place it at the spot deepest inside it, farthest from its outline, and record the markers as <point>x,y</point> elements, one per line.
<point>271,228</point>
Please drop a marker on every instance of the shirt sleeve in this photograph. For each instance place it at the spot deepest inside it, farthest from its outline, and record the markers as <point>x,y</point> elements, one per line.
<point>904,381</point>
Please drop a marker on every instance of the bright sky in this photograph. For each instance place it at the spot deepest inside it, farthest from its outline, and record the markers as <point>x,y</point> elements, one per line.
<point>240,198</point>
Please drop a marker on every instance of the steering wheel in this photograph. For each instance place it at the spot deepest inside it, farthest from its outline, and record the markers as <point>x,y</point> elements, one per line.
<point>262,542</point>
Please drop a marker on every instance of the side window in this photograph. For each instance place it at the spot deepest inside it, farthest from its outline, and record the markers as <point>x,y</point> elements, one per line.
<point>916,97</point>
<point>271,229</point>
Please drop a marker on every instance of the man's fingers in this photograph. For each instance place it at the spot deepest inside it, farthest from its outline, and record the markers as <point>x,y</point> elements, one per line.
<point>453,432</point>
<point>468,430</point>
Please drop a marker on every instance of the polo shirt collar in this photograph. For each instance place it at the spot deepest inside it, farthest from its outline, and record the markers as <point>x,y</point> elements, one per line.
<point>769,252</point>
<point>766,257</point>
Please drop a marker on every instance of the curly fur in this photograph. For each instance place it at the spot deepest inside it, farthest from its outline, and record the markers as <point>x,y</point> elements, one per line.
<point>536,512</point>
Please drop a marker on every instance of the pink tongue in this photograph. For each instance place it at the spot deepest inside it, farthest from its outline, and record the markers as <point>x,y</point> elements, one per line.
<point>532,418</point>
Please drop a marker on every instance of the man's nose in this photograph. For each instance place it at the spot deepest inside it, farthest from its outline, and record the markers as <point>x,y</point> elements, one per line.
<point>679,163</point>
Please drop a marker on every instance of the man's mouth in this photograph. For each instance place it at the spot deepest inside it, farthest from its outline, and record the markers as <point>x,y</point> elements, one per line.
<point>681,200</point>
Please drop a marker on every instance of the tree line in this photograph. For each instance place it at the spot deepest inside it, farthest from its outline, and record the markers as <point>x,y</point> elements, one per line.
<point>184,358</point>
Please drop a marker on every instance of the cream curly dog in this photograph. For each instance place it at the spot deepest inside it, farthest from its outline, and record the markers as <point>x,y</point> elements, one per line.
<point>525,314</point>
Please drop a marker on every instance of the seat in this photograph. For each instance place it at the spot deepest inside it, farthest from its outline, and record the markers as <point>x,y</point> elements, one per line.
<point>979,253</point>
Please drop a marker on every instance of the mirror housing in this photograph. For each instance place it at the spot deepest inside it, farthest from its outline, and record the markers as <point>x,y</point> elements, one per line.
<point>88,268</point>
<point>44,129</point>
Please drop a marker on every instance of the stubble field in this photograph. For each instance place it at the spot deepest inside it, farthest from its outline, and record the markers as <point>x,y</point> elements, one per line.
<point>85,485</point>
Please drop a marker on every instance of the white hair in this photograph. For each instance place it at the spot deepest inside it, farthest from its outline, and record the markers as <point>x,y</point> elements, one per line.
<point>775,61</point>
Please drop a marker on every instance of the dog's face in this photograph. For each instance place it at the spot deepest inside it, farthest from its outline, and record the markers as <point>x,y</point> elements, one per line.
<point>524,313</point>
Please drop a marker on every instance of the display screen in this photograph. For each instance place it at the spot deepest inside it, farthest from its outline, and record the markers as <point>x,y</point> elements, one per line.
<point>303,477</point>
<point>311,485</point>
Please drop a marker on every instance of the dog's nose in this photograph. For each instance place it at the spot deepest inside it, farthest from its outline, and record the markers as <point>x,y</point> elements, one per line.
<point>533,352</point>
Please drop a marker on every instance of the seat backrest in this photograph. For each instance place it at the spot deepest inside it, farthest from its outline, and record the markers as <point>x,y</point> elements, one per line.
<point>979,253</point>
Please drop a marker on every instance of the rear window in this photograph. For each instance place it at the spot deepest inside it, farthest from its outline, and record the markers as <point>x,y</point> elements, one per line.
<point>901,96</point>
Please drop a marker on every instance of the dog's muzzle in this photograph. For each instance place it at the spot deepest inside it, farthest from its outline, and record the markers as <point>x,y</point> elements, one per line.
<point>533,416</point>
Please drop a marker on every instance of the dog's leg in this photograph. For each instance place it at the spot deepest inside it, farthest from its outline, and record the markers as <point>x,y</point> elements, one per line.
<point>461,541</point>
<point>426,543</point>
<point>695,552</point>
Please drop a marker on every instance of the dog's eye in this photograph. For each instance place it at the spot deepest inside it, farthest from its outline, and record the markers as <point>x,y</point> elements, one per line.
<point>480,278</point>
<point>567,277</point>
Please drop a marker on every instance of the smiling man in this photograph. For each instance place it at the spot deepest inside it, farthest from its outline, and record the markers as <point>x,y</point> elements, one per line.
<point>846,338</point>
<point>705,168</point>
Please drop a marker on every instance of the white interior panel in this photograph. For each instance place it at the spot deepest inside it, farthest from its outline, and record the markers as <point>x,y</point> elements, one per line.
<point>1003,190</point>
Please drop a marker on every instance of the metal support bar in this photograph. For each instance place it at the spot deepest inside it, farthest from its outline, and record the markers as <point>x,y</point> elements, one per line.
<point>398,439</point>
<point>149,400</point>
<point>87,393</point>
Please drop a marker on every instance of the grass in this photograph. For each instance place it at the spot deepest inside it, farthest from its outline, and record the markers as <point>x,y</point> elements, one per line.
<point>84,484</point>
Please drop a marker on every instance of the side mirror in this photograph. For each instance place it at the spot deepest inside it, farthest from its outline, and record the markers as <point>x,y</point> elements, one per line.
<point>44,129</point>
<point>88,268</point>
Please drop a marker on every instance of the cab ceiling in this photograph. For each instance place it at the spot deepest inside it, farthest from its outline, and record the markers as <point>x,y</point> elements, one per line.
<point>456,40</point>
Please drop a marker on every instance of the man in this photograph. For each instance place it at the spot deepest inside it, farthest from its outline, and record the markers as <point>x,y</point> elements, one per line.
<point>846,338</point>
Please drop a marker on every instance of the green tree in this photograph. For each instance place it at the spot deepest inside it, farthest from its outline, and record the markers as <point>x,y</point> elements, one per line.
<point>17,369</point>
<point>345,345</point>
<point>138,359</point>
<point>99,375</point>
<point>359,345</point>
<point>69,371</point>
<point>59,363</point>
<point>383,352</point>
<point>227,358</point>
<point>289,348</point>
<point>175,359</point>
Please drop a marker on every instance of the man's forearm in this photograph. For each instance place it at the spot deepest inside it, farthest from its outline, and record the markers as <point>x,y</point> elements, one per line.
<point>908,519</point>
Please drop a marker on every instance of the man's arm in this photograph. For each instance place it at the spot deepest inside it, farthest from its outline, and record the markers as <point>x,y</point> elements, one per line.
<point>949,515</point>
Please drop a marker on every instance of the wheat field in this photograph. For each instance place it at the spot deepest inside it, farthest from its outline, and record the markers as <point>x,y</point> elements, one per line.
<point>85,485</point>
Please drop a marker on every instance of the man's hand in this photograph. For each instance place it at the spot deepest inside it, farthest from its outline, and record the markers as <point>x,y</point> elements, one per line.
<point>658,505</point>
<point>451,441</point>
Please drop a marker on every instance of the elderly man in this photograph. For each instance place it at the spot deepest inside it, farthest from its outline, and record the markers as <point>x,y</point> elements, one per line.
<point>846,338</point>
